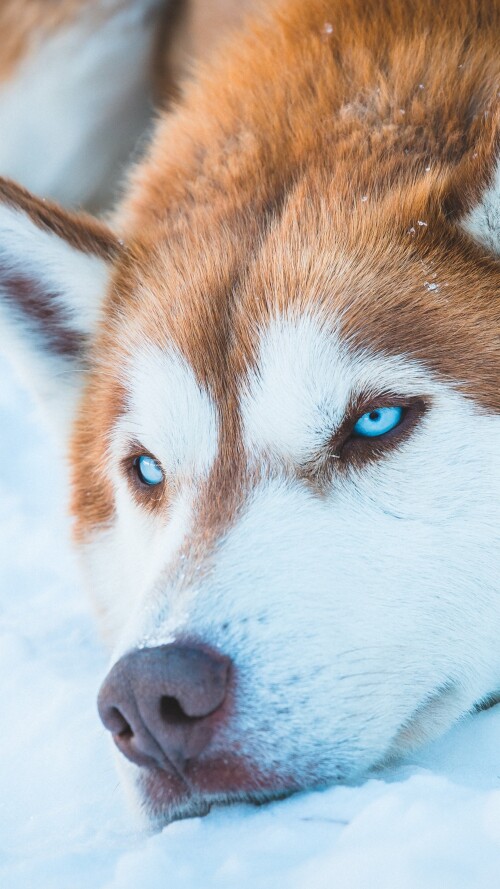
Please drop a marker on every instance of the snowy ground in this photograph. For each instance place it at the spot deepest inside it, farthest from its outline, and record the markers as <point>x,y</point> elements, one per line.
<point>433,823</point>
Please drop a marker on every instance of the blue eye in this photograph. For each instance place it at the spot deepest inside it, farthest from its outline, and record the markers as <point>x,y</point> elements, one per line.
<point>149,470</point>
<point>378,422</point>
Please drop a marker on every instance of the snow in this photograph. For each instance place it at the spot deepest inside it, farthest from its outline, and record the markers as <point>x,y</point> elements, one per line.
<point>430,823</point>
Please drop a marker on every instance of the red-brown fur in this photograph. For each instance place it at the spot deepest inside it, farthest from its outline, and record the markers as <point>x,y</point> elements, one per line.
<point>296,172</point>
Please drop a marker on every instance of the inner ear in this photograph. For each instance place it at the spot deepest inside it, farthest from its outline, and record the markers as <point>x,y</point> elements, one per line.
<point>43,311</point>
<point>473,196</point>
<point>482,220</point>
<point>55,268</point>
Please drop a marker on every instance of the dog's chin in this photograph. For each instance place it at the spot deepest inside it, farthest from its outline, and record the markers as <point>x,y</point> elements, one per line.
<point>171,796</point>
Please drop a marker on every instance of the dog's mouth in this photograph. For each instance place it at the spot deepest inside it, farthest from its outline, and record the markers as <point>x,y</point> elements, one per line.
<point>169,795</point>
<point>166,797</point>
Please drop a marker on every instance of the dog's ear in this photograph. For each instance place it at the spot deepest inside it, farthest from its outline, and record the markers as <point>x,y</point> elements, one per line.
<point>54,271</point>
<point>482,219</point>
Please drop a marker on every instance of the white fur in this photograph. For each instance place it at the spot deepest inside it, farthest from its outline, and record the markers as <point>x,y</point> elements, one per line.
<point>130,555</point>
<point>169,413</point>
<point>72,112</point>
<point>77,280</point>
<point>360,621</point>
<point>173,417</point>
<point>74,280</point>
<point>305,376</point>
<point>482,223</point>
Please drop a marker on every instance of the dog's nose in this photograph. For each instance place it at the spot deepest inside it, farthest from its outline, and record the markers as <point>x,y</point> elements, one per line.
<point>162,704</point>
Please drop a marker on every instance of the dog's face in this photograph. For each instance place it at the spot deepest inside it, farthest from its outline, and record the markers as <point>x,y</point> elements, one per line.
<point>304,482</point>
<point>285,481</point>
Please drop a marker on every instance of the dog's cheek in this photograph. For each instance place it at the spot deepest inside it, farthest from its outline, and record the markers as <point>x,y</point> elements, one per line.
<point>123,563</point>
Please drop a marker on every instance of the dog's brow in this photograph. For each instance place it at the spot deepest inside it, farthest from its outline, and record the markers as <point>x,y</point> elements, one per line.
<point>303,382</point>
<point>169,412</point>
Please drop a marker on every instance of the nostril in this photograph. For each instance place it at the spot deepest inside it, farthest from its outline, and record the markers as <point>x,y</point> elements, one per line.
<point>126,731</point>
<point>115,722</point>
<point>172,713</point>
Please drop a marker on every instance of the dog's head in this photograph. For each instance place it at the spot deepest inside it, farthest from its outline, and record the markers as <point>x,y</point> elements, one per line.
<point>285,455</point>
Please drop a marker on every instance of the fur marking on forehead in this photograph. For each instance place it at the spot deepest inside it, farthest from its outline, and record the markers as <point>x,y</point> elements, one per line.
<point>169,412</point>
<point>304,380</point>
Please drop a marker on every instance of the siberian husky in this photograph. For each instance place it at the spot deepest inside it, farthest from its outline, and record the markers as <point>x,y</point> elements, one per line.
<point>278,371</point>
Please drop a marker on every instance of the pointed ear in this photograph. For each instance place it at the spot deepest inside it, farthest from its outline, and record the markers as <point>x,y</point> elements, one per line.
<point>482,220</point>
<point>54,271</point>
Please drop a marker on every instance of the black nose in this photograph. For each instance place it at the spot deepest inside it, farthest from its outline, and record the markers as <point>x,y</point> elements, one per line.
<point>161,703</point>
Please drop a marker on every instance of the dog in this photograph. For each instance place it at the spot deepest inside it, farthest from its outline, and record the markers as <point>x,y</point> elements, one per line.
<point>277,369</point>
